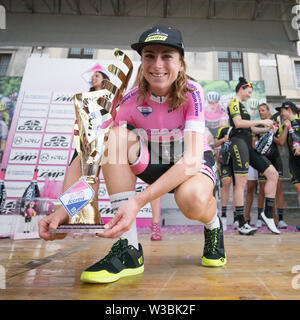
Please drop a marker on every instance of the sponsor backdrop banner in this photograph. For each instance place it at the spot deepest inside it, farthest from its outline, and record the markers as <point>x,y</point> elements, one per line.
<point>41,133</point>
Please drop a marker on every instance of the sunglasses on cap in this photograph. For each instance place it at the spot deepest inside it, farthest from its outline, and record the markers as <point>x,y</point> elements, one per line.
<point>248,84</point>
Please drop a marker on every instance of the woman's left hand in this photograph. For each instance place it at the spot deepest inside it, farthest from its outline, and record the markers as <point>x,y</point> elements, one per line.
<point>122,220</point>
<point>297,151</point>
<point>267,123</point>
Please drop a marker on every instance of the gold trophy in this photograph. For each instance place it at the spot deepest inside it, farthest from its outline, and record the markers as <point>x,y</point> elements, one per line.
<point>93,122</point>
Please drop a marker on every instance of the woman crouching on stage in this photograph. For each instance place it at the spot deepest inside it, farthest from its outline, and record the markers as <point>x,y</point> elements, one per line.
<point>158,136</point>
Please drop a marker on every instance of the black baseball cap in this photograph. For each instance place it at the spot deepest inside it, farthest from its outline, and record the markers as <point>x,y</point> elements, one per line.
<point>286,105</point>
<point>160,35</point>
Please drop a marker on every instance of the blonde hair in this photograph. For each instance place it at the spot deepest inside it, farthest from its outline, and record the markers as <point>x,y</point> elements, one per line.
<point>179,88</point>
<point>138,78</point>
<point>263,105</point>
<point>267,107</point>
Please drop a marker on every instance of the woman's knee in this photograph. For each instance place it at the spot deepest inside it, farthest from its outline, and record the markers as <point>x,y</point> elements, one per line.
<point>193,203</point>
<point>241,181</point>
<point>226,183</point>
<point>271,174</point>
<point>251,186</point>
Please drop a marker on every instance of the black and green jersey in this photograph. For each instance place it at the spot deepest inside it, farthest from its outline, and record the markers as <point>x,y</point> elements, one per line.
<point>295,123</point>
<point>222,131</point>
<point>236,108</point>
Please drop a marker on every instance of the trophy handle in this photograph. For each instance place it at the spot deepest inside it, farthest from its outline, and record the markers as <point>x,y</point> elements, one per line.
<point>120,55</point>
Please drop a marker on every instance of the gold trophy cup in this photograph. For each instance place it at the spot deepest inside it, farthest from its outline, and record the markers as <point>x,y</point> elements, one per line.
<point>93,122</point>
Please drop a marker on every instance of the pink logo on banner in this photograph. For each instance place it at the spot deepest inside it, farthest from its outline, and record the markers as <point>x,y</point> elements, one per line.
<point>87,75</point>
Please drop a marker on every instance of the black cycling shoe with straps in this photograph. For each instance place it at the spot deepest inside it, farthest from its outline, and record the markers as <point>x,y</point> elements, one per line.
<point>214,251</point>
<point>123,260</point>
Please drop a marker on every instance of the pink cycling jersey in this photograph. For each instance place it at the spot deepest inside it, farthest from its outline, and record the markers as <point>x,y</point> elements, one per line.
<point>159,121</point>
<point>215,118</point>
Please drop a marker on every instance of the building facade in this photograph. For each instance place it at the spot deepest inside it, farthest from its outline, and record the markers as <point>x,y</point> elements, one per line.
<point>280,73</point>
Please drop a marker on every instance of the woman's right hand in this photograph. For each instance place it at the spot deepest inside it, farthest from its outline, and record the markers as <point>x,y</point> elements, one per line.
<point>268,123</point>
<point>51,222</point>
<point>287,123</point>
<point>226,139</point>
<point>122,220</point>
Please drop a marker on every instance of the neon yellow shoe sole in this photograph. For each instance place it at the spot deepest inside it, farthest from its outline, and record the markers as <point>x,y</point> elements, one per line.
<point>213,262</point>
<point>104,276</point>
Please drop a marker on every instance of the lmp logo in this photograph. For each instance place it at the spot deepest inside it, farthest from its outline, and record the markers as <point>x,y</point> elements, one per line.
<point>2,18</point>
<point>24,157</point>
<point>62,97</point>
<point>295,20</point>
<point>51,174</point>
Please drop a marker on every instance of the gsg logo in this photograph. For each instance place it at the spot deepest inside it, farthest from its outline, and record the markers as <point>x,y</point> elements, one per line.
<point>31,125</point>
<point>57,141</point>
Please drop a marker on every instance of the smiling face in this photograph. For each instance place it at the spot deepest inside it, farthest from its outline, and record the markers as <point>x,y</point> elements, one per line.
<point>97,79</point>
<point>161,65</point>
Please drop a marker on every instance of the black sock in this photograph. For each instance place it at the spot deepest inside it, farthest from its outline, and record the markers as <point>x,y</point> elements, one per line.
<point>259,211</point>
<point>240,215</point>
<point>268,207</point>
<point>280,214</point>
<point>224,209</point>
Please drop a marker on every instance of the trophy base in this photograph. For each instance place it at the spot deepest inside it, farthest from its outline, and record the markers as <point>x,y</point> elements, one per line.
<point>79,228</point>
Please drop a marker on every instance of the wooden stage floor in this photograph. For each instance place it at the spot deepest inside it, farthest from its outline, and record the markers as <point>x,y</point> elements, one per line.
<point>258,267</point>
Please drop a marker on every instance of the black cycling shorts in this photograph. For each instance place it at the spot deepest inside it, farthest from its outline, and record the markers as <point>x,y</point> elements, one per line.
<point>156,168</point>
<point>244,155</point>
<point>226,171</point>
<point>149,166</point>
<point>277,163</point>
<point>294,168</point>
